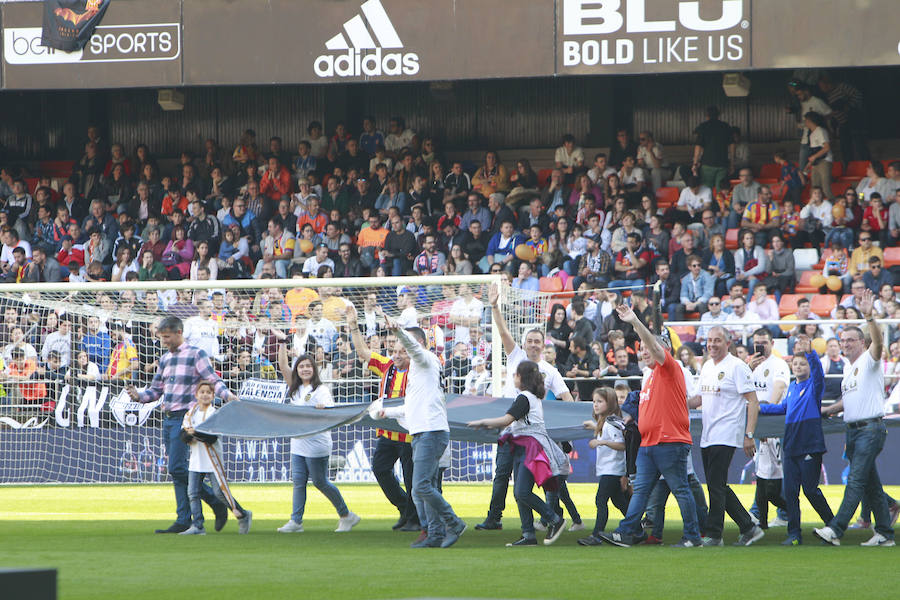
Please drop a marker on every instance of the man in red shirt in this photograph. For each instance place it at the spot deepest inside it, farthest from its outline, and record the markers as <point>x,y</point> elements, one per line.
<point>665,427</point>
<point>276,183</point>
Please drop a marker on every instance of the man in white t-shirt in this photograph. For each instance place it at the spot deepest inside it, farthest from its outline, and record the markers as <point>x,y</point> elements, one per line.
<point>730,411</point>
<point>465,312</point>
<point>862,401</point>
<point>553,382</point>
<point>808,103</point>
<point>771,376</point>
<point>202,332</point>
<point>694,198</point>
<point>319,258</point>
<point>406,303</point>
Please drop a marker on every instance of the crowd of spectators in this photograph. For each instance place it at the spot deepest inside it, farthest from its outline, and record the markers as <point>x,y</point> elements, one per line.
<point>375,204</point>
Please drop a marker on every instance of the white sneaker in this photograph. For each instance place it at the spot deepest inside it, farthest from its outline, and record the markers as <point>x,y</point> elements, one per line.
<point>244,522</point>
<point>776,522</point>
<point>577,527</point>
<point>827,535</point>
<point>879,540</point>
<point>291,526</point>
<point>193,530</point>
<point>538,526</point>
<point>347,523</point>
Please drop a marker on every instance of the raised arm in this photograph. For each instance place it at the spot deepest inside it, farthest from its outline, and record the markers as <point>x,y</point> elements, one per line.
<point>649,341</point>
<point>817,375</point>
<point>509,344</point>
<point>876,348</point>
<point>359,344</point>
<point>284,364</point>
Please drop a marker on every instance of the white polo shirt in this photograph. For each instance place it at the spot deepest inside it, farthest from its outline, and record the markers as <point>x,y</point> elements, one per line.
<point>722,387</point>
<point>862,389</point>
<point>609,461</point>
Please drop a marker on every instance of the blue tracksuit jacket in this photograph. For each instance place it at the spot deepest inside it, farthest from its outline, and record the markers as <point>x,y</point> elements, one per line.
<point>802,409</point>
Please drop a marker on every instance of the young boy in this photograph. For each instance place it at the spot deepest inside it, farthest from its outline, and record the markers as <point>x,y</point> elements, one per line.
<point>538,244</point>
<point>206,452</point>
<point>792,180</point>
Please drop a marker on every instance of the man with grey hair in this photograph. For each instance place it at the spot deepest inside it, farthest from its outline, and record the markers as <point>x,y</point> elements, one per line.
<point>730,411</point>
<point>179,372</point>
<point>664,423</point>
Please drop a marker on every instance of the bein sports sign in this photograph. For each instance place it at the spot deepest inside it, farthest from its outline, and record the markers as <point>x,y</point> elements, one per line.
<point>653,35</point>
<point>109,43</point>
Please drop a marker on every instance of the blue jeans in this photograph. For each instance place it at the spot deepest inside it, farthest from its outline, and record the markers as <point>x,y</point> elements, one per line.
<point>427,448</point>
<point>423,508</point>
<point>178,453</point>
<point>842,234</point>
<point>670,461</point>
<point>863,447</point>
<point>528,502</point>
<point>195,484</point>
<point>304,468</point>
<point>656,505</point>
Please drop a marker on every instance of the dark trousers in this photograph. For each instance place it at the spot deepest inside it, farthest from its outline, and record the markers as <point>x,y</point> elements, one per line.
<point>562,495</point>
<point>803,471</point>
<point>609,488</point>
<point>503,467</point>
<point>722,498</point>
<point>387,452</point>
<point>179,453</point>
<point>768,490</point>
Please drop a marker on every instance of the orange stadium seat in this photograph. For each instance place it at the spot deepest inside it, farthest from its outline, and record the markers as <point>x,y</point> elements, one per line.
<point>822,304</point>
<point>804,286</point>
<point>686,333</point>
<point>551,284</point>
<point>667,196</point>
<point>788,304</point>
<point>891,257</point>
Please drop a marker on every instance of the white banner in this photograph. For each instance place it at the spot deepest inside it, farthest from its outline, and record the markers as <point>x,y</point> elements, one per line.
<point>128,413</point>
<point>264,390</point>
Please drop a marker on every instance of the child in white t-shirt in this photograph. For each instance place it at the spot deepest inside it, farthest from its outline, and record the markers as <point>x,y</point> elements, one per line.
<point>610,445</point>
<point>206,462</point>
<point>769,477</point>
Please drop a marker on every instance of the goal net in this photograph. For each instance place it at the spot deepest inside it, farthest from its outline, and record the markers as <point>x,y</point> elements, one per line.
<point>70,350</point>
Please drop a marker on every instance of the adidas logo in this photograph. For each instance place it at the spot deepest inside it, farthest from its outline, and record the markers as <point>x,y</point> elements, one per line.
<point>364,54</point>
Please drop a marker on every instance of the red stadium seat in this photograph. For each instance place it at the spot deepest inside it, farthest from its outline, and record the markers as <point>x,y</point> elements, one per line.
<point>731,239</point>
<point>837,170</point>
<point>788,304</point>
<point>822,304</point>
<point>544,177</point>
<point>856,168</point>
<point>770,171</point>
<point>667,196</point>
<point>686,333</point>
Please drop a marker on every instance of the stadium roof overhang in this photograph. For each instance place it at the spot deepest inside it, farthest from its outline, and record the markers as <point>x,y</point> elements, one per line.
<point>170,43</point>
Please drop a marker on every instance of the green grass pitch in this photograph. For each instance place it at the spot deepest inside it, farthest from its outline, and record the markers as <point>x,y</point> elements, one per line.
<point>101,540</point>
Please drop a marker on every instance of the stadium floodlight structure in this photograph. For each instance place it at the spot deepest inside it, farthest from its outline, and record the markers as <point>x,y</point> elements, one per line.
<point>74,347</point>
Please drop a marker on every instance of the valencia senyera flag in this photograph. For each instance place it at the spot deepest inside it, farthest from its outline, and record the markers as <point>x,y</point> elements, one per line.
<point>69,24</point>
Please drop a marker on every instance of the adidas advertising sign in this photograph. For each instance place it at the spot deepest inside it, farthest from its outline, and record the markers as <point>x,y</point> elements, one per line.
<point>368,46</point>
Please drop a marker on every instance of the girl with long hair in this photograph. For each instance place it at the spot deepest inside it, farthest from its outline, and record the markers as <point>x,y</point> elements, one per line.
<point>523,426</point>
<point>309,455</point>
<point>609,441</point>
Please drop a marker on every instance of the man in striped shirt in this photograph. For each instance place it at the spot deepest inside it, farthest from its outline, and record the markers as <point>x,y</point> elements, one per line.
<point>390,446</point>
<point>180,370</point>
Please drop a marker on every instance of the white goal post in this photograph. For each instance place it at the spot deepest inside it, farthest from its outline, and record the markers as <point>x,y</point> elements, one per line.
<point>69,349</point>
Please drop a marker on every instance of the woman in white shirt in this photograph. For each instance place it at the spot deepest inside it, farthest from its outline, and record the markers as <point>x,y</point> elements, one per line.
<point>123,265</point>
<point>875,181</point>
<point>309,455</point>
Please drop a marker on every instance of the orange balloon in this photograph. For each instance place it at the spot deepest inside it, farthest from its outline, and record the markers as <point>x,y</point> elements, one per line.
<point>306,246</point>
<point>525,252</point>
<point>834,283</point>
<point>787,328</point>
<point>818,345</point>
<point>817,281</point>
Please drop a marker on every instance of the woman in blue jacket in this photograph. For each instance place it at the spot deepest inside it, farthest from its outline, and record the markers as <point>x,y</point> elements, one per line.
<point>804,443</point>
